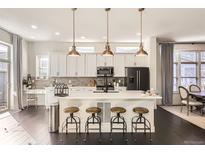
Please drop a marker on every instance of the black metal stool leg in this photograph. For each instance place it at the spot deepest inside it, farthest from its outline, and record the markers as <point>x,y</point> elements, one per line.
<point>143,121</point>
<point>93,119</point>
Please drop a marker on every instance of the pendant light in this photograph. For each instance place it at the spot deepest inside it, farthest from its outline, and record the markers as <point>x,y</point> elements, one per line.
<point>73,52</point>
<point>107,51</point>
<point>141,51</point>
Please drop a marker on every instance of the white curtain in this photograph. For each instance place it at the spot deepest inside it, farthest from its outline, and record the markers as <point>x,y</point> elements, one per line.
<point>17,68</point>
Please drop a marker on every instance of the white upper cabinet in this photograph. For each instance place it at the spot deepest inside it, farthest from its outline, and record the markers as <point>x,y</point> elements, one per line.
<point>104,60</point>
<point>53,65</point>
<point>62,65</point>
<point>76,66</point>
<point>130,60</point>
<point>86,64</point>
<point>119,65</point>
<point>81,65</point>
<point>90,65</point>
<point>57,64</point>
<point>71,66</point>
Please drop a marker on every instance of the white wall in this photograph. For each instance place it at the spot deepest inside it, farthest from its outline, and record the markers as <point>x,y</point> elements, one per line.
<point>5,36</point>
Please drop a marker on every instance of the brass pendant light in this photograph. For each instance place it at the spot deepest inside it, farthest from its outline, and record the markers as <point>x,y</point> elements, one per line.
<point>141,51</point>
<point>73,52</point>
<point>107,51</point>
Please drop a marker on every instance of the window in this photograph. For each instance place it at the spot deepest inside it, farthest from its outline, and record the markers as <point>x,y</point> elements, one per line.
<point>4,76</point>
<point>189,68</point>
<point>127,49</point>
<point>42,69</point>
<point>85,49</point>
<point>3,51</point>
<point>202,68</point>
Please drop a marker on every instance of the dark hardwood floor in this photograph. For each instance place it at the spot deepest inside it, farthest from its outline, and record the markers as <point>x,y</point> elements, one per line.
<point>170,129</point>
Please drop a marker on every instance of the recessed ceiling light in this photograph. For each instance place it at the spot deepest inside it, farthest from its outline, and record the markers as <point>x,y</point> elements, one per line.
<point>82,37</point>
<point>34,26</point>
<point>32,37</point>
<point>57,33</point>
<point>104,37</point>
<point>138,34</point>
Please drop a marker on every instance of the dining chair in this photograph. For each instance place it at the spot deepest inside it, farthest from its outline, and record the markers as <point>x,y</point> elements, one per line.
<point>186,100</point>
<point>194,88</point>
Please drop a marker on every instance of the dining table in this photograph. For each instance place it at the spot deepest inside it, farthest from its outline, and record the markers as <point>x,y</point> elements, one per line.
<point>200,96</point>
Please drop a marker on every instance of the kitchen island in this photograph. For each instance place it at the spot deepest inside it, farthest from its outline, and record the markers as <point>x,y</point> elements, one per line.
<point>126,99</point>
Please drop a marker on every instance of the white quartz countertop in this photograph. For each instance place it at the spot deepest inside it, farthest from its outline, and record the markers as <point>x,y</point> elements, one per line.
<point>108,96</point>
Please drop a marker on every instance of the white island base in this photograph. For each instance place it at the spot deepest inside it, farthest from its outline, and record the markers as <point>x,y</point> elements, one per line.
<point>105,101</point>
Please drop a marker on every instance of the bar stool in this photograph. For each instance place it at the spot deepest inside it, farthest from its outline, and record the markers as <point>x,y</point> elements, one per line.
<point>71,119</point>
<point>93,119</point>
<point>119,120</point>
<point>141,120</point>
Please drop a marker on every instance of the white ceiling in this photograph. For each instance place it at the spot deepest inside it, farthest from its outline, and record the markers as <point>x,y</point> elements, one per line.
<point>167,24</point>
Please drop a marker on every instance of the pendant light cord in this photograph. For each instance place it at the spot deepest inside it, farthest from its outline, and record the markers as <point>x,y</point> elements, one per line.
<point>73,27</point>
<point>107,27</point>
<point>141,27</point>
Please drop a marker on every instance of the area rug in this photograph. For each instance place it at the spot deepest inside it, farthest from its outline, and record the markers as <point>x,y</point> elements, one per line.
<point>194,118</point>
<point>12,133</point>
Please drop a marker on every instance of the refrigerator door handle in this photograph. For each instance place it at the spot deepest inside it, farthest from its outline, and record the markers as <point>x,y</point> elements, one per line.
<point>139,81</point>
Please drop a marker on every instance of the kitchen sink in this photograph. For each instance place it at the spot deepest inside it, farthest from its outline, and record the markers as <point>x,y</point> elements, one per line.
<point>109,91</point>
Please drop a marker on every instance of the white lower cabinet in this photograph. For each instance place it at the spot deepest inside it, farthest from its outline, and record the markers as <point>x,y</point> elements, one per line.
<point>50,98</point>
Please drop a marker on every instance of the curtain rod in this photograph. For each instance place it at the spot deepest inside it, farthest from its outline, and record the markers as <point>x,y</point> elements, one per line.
<point>182,42</point>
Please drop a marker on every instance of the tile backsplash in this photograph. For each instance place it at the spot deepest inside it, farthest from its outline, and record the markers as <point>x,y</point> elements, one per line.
<point>77,81</point>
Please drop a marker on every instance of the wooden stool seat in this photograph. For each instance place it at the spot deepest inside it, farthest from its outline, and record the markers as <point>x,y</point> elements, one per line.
<point>93,110</point>
<point>140,110</point>
<point>118,110</point>
<point>71,109</point>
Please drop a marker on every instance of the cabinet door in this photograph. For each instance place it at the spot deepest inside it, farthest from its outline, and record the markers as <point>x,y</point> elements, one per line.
<point>119,65</point>
<point>53,65</point>
<point>142,61</point>
<point>80,69</point>
<point>130,60</point>
<point>62,65</point>
<point>109,61</point>
<point>101,60</point>
<point>90,65</point>
<point>72,66</point>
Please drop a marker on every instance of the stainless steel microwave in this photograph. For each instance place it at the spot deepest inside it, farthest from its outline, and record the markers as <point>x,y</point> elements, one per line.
<point>105,71</point>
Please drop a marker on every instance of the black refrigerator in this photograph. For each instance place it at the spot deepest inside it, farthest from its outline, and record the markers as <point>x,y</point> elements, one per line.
<point>137,78</point>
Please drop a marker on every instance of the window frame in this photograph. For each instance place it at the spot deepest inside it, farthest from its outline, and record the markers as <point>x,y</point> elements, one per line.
<point>134,48</point>
<point>80,48</point>
<point>38,68</point>
<point>178,63</point>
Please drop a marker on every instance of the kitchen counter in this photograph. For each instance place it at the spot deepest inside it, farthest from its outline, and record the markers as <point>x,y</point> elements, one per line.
<point>126,99</point>
<point>108,96</point>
